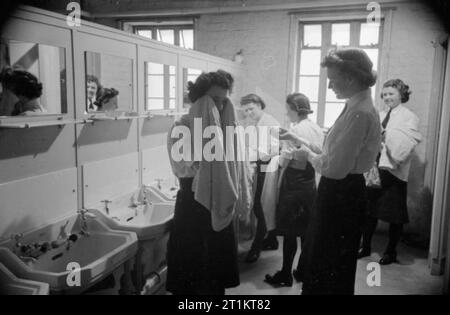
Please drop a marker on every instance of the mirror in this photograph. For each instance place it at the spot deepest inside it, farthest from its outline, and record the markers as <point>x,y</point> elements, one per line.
<point>33,79</point>
<point>160,86</point>
<point>109,83</point>
<point>189,74</point>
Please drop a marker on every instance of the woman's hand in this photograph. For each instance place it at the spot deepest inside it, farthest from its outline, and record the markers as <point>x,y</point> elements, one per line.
<point>285,134</point>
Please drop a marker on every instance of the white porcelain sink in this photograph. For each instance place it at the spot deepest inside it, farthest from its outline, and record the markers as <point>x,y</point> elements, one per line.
<point>147,221</point>
<point>164,190</point>
<point>97,253</point>
<point>11,285</point>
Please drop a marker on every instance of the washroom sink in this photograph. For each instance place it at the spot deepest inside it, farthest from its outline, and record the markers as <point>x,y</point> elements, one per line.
<point>163,190</point>
<point>11,285</point>
<point>146,220</point>
<point>83,242</point>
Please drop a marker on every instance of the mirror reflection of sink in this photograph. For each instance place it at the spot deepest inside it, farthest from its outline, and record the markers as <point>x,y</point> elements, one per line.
<point>97,249</point>
<point>11,285</point>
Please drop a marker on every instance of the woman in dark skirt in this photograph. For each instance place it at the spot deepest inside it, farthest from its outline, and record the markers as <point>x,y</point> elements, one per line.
<point>200,260</point>
<point>400,132</point>
<point>202,250</point>
<point>298,187</point>
<point>329,259</point>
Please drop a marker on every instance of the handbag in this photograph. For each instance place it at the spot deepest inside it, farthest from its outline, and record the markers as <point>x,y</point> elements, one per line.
<point>373,177</point>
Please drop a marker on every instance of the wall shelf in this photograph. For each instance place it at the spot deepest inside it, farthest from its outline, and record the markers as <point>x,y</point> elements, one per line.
<point>165,114</point>
<point>36,124</point>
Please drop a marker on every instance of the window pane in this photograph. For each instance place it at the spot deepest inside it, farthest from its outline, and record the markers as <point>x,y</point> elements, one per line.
<point>312,35</point>
<point>373,55</point>
<point>145,33</point>
<point>155,103</point>
<point>369,34</point>
<point>166,36</point>
<point>187,39</point>
<point>332,112</point>
<point>310,62</point>
<point>313,116</point>
<point>155,68</point>
<point>155,86</point>
<point>172,86</point>
<point>310,87</point>
<point>172,69</point>
<point>172,103</point>
<point>340,34</point>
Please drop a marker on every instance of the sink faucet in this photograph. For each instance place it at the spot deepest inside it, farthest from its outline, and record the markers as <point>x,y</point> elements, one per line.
<point>84,215</point>
<point>106,202</point>
<point>159,181</point>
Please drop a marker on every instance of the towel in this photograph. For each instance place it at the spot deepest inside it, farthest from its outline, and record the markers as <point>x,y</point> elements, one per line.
<point>270,192</point>
<point>219,183</point>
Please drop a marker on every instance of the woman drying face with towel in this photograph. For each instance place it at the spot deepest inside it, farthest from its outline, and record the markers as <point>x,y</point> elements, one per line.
<point>202,249</point>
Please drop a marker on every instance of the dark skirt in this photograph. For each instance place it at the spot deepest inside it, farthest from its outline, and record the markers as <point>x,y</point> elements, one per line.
<point>297,194</point>
<point>199,260</point>
<point>330,254</point>
<point>389,203</point>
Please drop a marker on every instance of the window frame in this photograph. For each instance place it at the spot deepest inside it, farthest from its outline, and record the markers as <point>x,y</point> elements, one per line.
<point>177,28</point>
<point>339,14</point>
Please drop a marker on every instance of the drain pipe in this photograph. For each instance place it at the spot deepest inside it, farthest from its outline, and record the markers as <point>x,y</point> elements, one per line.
<point>155,282</point>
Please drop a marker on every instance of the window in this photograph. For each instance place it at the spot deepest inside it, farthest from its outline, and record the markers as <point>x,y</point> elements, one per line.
<point>316,39</point>
<point>180,35</point>
<point>160,86</point>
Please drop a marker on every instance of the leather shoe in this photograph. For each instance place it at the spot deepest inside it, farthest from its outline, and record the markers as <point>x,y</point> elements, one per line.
<point>279,279</point>
<point>270,244</point>
<point>388,259</point>
<point>298,275</point>
<point>252,257</point>
<point>364,252</point>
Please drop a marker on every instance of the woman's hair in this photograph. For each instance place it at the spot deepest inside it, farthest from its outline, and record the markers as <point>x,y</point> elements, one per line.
<point>21,83</point>
<point>402,88</point>
<point>299,103</point>
<point>93,78</point>
<point>107,94</point>
<point>354,62</point>
<point>252,98</point>
<point>205,81</point>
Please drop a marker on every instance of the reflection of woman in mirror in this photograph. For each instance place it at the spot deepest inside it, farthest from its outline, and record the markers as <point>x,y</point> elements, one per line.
<point>94,91</point>
<point>26,87</point>
<point>108,100</point>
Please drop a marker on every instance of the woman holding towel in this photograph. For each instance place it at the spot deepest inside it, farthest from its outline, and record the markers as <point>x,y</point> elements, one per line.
<point>298,186</point>
<point>202,249</point>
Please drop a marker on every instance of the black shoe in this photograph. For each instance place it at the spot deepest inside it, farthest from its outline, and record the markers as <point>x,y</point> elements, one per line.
<point>298,275</point>
<point>388,259</point>
<point>252,257</point>
<point>270,244</point>
<point>279,279</point>
<point>364,252</point>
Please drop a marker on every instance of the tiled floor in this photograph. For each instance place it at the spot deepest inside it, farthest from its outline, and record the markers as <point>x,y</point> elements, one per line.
<point>410,276</point>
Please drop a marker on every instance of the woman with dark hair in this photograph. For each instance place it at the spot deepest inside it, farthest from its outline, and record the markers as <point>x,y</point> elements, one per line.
<point>108,100</point>
<point>254,106</point>
<point>400,134</point>
<point>298,185</point>
<point>202,249</point>
<point>349,151</point>
<point>28,90</point>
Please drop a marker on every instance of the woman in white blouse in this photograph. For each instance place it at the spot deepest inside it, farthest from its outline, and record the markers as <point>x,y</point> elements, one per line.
<point>254,106</point>
<point>350,149</point>
<point>400,135</point>
<point>298,187</point>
